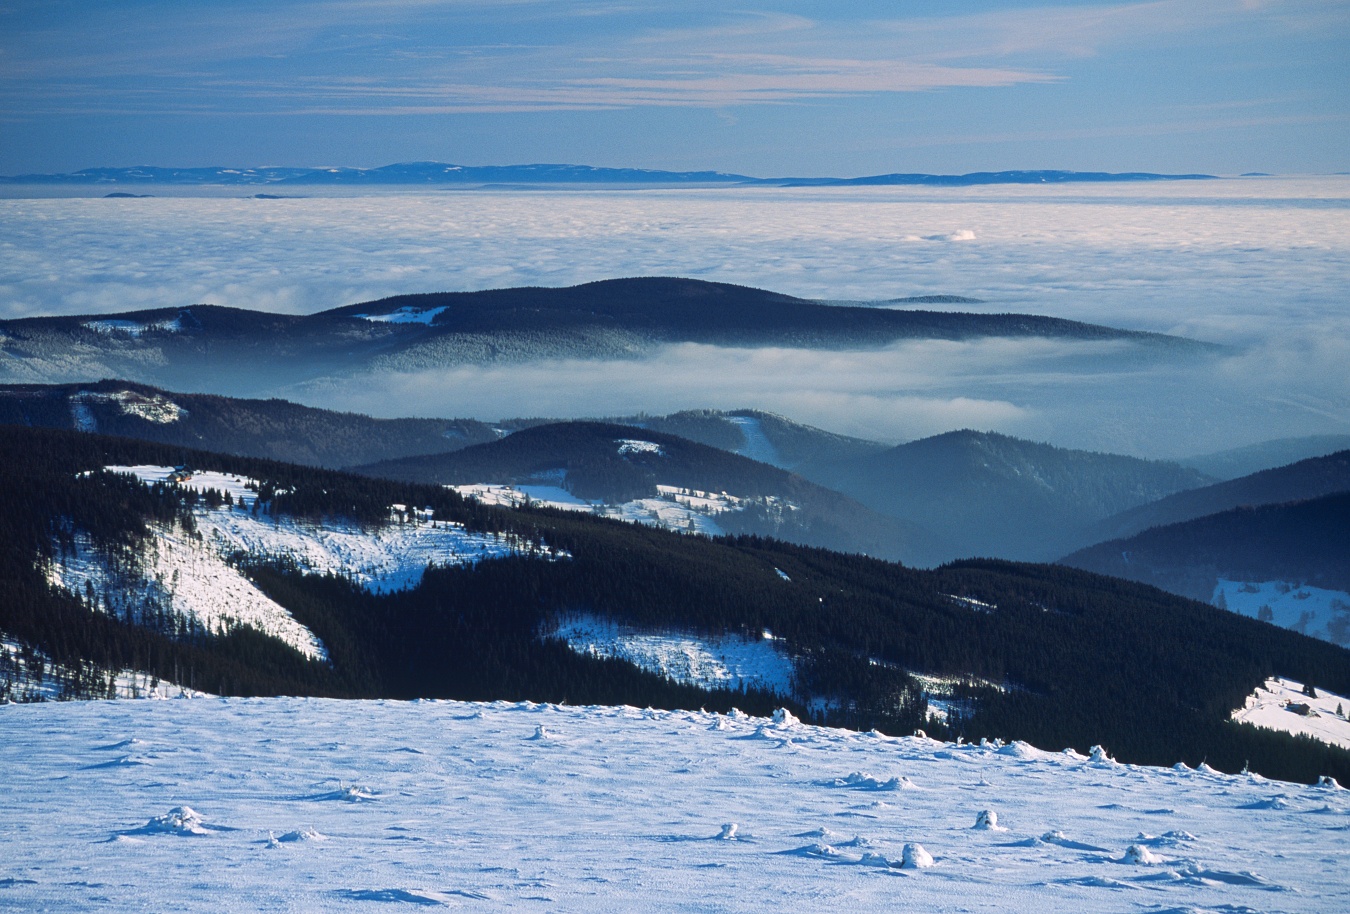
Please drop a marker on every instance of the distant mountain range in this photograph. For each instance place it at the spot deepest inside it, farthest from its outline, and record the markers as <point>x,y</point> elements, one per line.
<point>987,494</point>
<point>253,353</point>
<point>440,173</point>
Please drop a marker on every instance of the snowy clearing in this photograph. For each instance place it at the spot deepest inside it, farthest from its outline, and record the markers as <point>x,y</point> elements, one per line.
<point>380,558</point>
<point>635,446</point>
<point>194,575</point>
<point>757,444</point>
<point>315,805</point>
<point>150,407</point>
<point>675,508</point>
<point>1311,610</point>
<point>727,662</point>
<point>1282,705</point>
<point>110,327</point>
<point>405,315</point>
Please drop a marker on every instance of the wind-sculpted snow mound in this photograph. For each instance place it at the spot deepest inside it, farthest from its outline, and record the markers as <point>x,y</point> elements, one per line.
<point>615,807</point>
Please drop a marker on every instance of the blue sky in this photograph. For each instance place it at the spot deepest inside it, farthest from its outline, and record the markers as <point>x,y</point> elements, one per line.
<point>762,88</point>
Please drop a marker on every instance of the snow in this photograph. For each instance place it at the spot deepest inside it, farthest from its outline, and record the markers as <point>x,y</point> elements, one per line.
<point>28,676</point>
<point>620,810</point>
<point>381,558</point>
<point>634,446</point>
<point>154,408</point>
<point>672,508</point>
<point>186,574</point>
<point>405,315</point>
<point>972,603</point>
<point>111,327</point>
<point>194,575</point>
<point>1311,610</point>
<point>1270,707</point>
<point>516,496</point>
<point>757,445</point>
<point>711,662</point>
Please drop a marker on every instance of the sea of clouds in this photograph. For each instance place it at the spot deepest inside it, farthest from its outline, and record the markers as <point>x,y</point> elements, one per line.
<point>1262,265</point>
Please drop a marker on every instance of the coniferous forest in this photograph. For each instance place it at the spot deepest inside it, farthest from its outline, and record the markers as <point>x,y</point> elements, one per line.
<point>1047,654</point>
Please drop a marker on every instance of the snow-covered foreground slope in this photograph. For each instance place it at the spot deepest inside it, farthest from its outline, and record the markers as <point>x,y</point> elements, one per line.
<point>312,805</point>
<point>1313,611</point>
<point>1281,704</point>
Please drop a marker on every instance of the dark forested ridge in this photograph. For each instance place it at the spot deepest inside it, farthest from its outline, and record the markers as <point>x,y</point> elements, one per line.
<point>782,442</point>
<point>983,493</point>
<point>248,352</point>
<point>1311,478</point>
<point>688,310</point>
<point>1053,655</point>
<point>1305,542</point>
<point>274,429</point>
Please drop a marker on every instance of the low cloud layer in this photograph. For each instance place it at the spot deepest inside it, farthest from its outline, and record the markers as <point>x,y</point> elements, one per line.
<point>1259,265</point>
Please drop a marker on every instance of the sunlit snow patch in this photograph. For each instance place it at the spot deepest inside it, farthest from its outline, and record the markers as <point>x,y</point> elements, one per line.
<point>405,315</point>
<point>723,662</point>
<point>1282,704</point>
<point>150,407</point>
<point>635,446</point>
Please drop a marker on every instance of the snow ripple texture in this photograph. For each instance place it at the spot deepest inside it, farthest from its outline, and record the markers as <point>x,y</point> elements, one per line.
<point>618,807</point>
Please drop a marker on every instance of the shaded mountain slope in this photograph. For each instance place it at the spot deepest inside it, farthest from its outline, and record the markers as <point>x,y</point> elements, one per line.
<point>990,494</point>
<point>1298,543</point>
<point>1298,481</point>
<point>274,429</point>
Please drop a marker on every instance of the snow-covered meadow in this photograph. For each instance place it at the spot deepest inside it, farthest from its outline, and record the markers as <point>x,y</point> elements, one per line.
<point>1314,611</point>
<point>298,805</point>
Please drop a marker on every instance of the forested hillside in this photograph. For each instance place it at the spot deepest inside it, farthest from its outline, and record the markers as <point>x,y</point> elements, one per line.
<point>1052,655</point>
